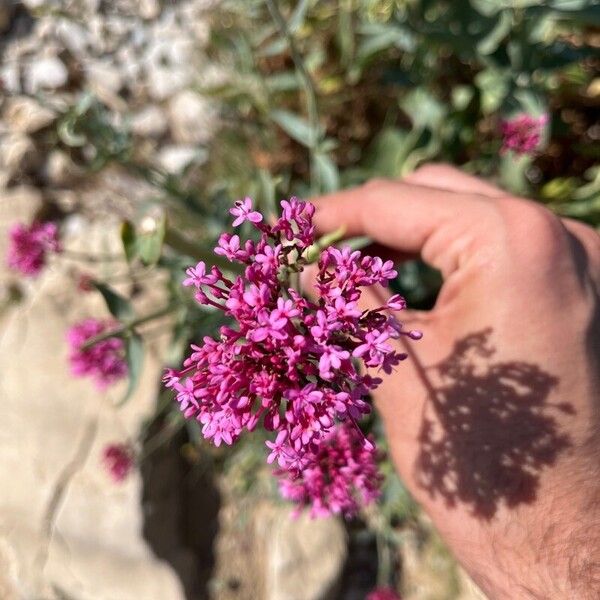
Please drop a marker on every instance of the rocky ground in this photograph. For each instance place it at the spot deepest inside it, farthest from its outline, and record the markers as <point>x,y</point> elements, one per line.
<point>170,531</point>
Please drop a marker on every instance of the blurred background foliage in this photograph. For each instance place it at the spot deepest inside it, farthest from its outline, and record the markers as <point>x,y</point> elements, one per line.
<point>317,95</point>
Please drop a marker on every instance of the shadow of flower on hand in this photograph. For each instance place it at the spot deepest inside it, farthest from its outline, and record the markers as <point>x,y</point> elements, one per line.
<point>492,430</point>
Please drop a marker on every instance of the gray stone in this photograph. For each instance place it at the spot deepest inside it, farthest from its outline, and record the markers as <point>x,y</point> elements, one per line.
<point>104,75</point>
<point>17,154</point>
<point>45,73</point>
<point>59,170</point>
<point>149,122</point>
<point>26,115</point>
<point>192,118</point>
<point>176,158</point>
<point>149,9</point>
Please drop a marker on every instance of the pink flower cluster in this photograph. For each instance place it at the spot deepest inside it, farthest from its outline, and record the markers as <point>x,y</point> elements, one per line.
<point>290,363</point>
<point>383,593</point>
<point>340,476</point>
<point>522,134</point>
<point>29,245</point>
<point>104,362</point>
<point>118,460</point>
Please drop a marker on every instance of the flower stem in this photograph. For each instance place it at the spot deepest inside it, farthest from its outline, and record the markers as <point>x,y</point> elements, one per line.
<point>89,257</point>
<point>309,90</point>
<point>126,328</point>
<point>313,252</point>
<point>196,251</point>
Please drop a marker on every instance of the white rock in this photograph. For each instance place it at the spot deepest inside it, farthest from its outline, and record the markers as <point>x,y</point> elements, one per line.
<point>304,557</point>
<point>104,75</point>
<point>59,170</point>
<point>149,9</point>
<point>149,122</point>
<point>33,5</point>
<point>74,36</point>
<point>90,544</point>
<point>26,115</point>
<point>10,76</point>
<point>176,158</point>
<point>192,118</point>
<point>45,73</point>
<point>17,154</point>
<point>168,64</point>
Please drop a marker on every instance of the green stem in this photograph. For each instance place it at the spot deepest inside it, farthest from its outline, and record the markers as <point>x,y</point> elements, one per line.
<point>313,252</point>
<point>309,89</point>
<point>126,328</point>
<point>197,252</point>
<point>93,258</point>
<point>161,438</point>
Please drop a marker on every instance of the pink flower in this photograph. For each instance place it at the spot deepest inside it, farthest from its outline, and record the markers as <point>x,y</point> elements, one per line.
<point>383,593</point>
<point>278,449</point>
<point>522,134</point>
<point>338,476</point>
<point>29,245</point>
<point>104,362</point>
<point>118,460</point>
<point>287,363</point>
<point>243,212</point>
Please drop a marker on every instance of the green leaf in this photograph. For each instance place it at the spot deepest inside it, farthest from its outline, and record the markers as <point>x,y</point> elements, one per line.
<point>494,86</point>
<point>461,96</point>
<point>296,127</point>
<point>389,151</point>
<point>297,19</point>
<point>134,355</point>
<point>149,243</point>
<point>128,238</point>
<point>423,108</point>
<point>283,82</point>
<point>513,173</point>
<point>380,37</point>
<point>329,175</point>
<point>119,307</point>
<point>492,40</point>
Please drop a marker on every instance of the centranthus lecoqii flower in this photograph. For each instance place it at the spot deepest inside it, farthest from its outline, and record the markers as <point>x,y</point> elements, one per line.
<point>383,593</point>
<point>522,134</point>
<point>104,361</point>
<point>118,460</point>
<point>289,363</point>
<point>340,474</point>
<point>29,245</point>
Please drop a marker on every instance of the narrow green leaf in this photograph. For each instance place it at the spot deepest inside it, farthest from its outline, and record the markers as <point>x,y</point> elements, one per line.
<point>492,40</point>
<point>119,307</point>
<point>296,127</point>
<point>297,19</point>
<point>134,355</point>
<point>328,172</point>
<point>128,238</point>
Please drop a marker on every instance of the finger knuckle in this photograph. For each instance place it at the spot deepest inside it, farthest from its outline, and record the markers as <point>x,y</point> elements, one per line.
<point>532,226</point>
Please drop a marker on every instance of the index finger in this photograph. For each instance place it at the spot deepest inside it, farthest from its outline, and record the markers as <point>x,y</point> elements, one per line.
<point>404,217</point>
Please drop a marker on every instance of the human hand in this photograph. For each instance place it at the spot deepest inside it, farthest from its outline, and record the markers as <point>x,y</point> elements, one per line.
<point>494,421</point>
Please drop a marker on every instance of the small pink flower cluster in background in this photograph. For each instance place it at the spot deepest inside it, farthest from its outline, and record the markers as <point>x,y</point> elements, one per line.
<point>118,460</point>
<point>290,363</point>
<point>105,361</point>
<point>29,245</point>
<point>522,134</point>
<point>383,593</point>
